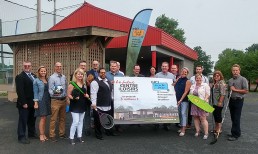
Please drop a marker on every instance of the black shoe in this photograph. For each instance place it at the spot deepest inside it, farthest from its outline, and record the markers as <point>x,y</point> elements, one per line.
<point>53,139</point>
<point>232,138</point>
<point>100,138</point>
<point>33,136</point>
<point>156,126</point>
<point>166,127</point>
<point>113,134</point>
<point>80,140</point>
<point>24,141</point>
<point>229,135</point>
<point>87,133</point>
<point>178,125</point>
<point>72,141</point>
<point>63,137</point>
<point>118,128</point>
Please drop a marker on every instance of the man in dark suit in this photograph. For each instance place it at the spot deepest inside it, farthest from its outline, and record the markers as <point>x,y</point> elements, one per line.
<point>25,104</point>
<point>94,70</point>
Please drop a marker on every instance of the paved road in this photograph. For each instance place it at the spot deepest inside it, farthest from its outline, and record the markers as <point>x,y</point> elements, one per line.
<point>136,139</point>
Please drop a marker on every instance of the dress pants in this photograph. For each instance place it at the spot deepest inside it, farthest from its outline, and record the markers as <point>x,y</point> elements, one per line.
<point>189,118</point>
<point>235,107</point>
<point>87,118</point>
<point>26,118</point>
<point>97,124</point>
<point>58,112</point>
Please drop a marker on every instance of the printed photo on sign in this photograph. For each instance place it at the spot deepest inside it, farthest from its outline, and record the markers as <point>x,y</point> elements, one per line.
<point>144,101</point>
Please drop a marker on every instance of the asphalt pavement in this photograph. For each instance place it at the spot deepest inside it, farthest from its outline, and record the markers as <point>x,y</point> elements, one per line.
<point>137,139</point>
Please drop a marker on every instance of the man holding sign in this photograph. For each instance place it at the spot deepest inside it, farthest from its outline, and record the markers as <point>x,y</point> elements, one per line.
<point>165,74</point>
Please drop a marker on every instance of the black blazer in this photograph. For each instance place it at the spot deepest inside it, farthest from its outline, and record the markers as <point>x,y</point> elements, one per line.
<point>92,72</point>
<point>24,89</point>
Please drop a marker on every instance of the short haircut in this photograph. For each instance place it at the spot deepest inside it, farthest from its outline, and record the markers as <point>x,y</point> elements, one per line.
<point>185,68</point>
<point>196,75</point>
<point>136,65</point>
<point>82,61</point>
<point>199,66</point>
<point>165,63</point>
<point>113,61</point>
<point>102,68</point>
<point>153,67</point>
<point>236,65</point>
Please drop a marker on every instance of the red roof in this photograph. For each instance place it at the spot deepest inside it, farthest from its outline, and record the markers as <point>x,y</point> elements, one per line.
<point>89,15</point>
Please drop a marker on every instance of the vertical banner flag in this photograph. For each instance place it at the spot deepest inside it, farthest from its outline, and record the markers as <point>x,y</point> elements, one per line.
<point>135,38</point>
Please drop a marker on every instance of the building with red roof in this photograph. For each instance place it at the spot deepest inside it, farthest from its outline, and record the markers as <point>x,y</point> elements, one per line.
<point>158,46</point>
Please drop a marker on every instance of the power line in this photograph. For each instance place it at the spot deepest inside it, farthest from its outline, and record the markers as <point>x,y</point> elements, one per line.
<point>60,9</point>
<point>31,8</point>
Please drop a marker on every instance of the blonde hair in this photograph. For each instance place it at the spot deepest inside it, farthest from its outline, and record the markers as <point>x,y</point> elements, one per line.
<point>76,72</point>
<point>196,75</point>
<point>185,68</point>
<point>236,65</point>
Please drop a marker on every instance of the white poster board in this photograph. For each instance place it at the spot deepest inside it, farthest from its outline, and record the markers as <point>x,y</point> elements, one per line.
<point>142,100</point>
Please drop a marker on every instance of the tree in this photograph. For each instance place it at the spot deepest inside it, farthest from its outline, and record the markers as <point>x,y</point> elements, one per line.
<point>252,48</point>
<point>170,26</point>
<point>247,61</point>
<point>204,60</point>
<point>227,59</point>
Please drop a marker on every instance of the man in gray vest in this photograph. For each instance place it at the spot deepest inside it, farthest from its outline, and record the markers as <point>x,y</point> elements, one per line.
<point>239,87</point>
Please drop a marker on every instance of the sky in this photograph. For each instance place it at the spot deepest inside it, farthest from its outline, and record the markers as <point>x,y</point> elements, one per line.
<point>212,24</point>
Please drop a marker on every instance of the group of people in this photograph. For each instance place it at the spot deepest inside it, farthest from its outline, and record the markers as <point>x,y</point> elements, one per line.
<point>41,96</point>
<point>215,93</point>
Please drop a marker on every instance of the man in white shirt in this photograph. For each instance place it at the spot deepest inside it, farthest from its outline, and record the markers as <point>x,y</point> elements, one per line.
<point>101,89</point>
<point>118,67</point>
<point>198,70</point>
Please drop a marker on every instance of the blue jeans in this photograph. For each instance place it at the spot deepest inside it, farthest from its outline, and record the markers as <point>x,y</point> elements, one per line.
<point>183,113</point>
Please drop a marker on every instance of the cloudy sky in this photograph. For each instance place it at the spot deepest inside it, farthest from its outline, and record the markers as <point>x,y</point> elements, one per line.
<point>212,24</point>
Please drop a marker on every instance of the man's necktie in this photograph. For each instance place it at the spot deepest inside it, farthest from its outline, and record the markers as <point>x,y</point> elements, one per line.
<point>30,76</point>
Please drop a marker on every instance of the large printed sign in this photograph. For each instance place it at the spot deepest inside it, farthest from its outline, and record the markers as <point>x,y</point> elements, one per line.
<point>141,100</point>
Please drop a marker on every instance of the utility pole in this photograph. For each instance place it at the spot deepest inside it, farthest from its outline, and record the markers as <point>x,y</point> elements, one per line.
<point>54,18</point>
<point>54,12</point>
<point>38,26</point>
<point>1,45</point>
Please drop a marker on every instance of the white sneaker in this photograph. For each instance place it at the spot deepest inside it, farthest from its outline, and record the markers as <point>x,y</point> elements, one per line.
<point>182,134</point>
<point>179,131</point>
<point>196,134</point>
<point>205,137</point>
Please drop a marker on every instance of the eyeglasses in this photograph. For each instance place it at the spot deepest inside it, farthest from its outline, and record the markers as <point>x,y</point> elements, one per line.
<point>27,65</point>
<point>102,72</point>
